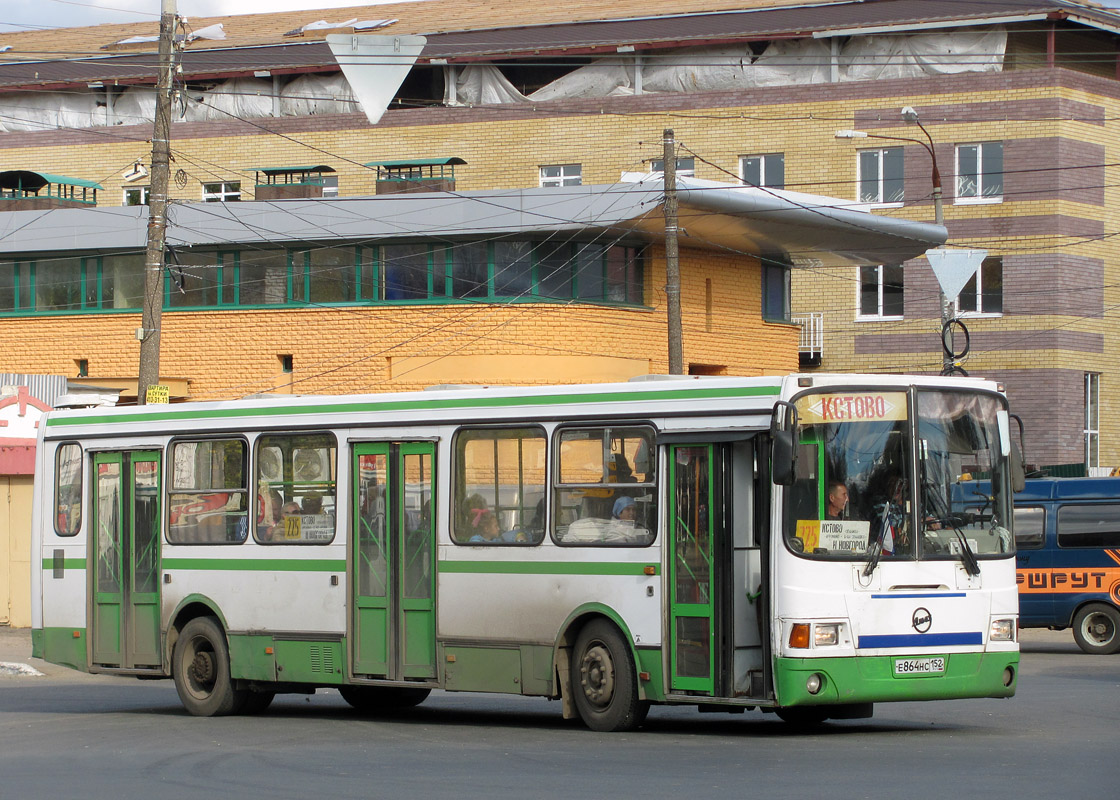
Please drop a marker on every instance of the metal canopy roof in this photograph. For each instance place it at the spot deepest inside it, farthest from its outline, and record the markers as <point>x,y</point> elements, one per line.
<point>575,38</point>
<point>283,170</point>
<point>28,179</point>
<point>786,226</point>
<point>416,162</point>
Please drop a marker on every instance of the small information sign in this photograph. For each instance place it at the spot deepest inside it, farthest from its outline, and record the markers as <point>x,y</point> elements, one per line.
<point>158,394</point>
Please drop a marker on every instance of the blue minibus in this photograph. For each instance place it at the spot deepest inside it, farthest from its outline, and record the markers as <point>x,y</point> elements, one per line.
<point>1067,540</point>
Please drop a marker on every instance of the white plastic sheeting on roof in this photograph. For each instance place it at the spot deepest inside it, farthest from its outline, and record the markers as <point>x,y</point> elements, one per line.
<point>38,111</point>
<point>237,97</point>
<point>784,62</point>
<point>869,58</point>
<point>310,95</point>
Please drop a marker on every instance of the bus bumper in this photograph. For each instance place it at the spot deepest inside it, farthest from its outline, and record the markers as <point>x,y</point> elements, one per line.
<point>872,679</point>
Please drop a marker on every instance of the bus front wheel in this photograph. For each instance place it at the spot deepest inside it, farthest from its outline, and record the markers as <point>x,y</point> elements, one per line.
<point>200,665</point>
<point>1096,629</point>
<point>604,684</point>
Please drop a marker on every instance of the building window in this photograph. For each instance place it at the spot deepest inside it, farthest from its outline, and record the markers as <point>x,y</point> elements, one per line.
<point>223,192</point>
<point>880,292</point>
<point>880,175</point>
<point>980,173</point>
<point>768,170</point>
<point>1092,420</point>
<point>686,167</point>
<point>137,195</point>
<point>562,175</point>
<point>330,186</point>
<point>775,292</point>
<point>983,294</point>
<point>352,274</point>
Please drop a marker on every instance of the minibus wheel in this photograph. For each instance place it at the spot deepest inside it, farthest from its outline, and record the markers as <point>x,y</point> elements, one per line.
<point>200,666</point>
<point>604,683</point>
<point>1096,629</point>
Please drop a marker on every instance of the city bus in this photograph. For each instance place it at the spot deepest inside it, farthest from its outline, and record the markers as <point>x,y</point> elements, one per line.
<point>1067,534</point>
<point>609,546</point>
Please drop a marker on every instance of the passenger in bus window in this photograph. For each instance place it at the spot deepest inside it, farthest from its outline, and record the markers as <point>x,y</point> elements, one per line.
<point>489,531</point>
<point>312,503</point>
<point>623,526</point>
<point>837,500</point>
<point>276,532</point>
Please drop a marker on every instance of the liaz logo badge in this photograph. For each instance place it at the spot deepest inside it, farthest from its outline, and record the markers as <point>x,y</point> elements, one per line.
<point>922,620</point>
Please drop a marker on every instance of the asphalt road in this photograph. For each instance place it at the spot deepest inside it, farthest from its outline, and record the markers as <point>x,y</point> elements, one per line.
<point>66,734</point>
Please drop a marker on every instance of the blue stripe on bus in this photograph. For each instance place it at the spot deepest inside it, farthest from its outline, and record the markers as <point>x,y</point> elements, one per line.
<point>916,596</point>
<point>921,639</point>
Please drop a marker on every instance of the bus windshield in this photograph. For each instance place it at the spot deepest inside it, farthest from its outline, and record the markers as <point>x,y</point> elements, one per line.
<point>863,458</point>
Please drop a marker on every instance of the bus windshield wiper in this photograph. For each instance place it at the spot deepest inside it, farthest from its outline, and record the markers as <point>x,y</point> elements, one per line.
<point>875,551</point>
<point>968,558</point>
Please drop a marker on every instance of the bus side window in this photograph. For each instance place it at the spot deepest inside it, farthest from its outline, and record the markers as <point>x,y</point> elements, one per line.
<point>68,489</point>
<point>207,501</point>
<point>605,491</point>
<point>499,486</point>
<point>296,488</point>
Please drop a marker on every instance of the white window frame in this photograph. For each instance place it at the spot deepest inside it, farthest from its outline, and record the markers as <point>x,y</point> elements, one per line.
<point>1092,420</point>
<point>561,175</point>
<point>880,153</point>
<point>145,194</point>
<point>879,316</point>
<point>982,175</point>
<point>764,160</point>
<point>330,186</point>
<point>228,191</point>
<point>657,167</point>
<point>980,294</point>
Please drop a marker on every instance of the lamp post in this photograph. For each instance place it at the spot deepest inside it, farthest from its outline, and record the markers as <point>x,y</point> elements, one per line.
<point>910,115</point>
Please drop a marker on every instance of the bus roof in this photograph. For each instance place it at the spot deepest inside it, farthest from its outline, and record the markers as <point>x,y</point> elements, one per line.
<point>644,396</point>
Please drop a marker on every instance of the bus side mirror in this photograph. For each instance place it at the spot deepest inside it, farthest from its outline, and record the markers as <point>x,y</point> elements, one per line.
<point>783,443</point>
<point>1018,474</point>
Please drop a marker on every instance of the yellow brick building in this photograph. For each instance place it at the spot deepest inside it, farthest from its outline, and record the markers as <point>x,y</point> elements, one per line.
<point>1019,103</point>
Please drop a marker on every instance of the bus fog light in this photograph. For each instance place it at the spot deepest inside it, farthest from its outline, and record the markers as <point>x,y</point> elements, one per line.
<point>1008,676</point>
<point>814,683</point>
<point>799,636</point>
<point>1003,630</point>
<point>826,635</point>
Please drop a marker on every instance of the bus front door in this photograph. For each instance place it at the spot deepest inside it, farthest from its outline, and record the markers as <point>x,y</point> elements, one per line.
<point>392,565</point>
<point>692,605</point>
<point>126,554</point>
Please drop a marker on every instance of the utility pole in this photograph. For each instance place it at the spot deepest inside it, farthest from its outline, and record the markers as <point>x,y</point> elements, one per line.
<point>149,333</point>
<point>672,256</point>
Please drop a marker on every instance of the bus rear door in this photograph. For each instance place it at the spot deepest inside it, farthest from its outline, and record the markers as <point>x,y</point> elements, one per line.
<point>126,560</point>
<point>392,562</point>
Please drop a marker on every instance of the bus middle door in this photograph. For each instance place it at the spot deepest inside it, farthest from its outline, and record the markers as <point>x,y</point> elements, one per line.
<point>695,573</point>
<point>126,552</point>
<point>392,565</point>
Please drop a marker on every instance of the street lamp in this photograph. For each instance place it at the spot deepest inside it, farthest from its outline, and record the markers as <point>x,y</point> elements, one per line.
<point>911,116</point>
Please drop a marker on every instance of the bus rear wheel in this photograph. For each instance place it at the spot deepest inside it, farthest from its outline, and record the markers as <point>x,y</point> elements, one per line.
<point>380,699</point>
<point>200,666</point>
<point>1096,629</point>
<point>604,684</point>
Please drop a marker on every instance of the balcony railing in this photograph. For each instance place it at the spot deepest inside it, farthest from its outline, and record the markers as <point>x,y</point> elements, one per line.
<point>811,341</point>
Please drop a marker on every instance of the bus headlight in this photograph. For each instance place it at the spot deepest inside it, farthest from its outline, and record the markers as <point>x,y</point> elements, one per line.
<point>1003,630</point>
<point>826,635</point>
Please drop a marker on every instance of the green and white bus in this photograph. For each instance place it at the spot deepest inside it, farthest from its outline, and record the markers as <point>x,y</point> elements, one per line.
<point>610,546</point>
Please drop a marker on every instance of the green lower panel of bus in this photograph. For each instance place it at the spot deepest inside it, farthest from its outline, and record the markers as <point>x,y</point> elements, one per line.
<point>866,679</point>
<point>63,646</point>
